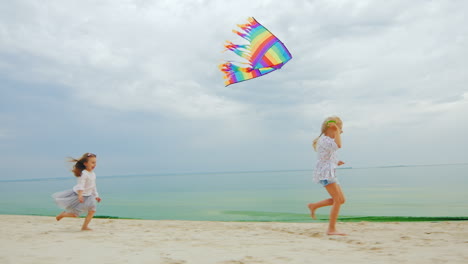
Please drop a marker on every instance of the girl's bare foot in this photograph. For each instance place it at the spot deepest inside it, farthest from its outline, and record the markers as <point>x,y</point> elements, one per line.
<point>312,210</point>
<point>86,229</point>
<point>60,216</point>
<point>335,233</point>
<point>65,214</point>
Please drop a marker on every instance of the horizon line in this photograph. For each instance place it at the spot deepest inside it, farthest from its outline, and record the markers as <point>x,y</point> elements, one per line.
<point>234,172</point>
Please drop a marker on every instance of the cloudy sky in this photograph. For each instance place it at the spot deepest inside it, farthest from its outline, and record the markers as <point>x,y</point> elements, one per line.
<point>136,82</point>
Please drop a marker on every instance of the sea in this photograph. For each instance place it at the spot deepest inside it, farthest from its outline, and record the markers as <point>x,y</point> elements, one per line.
<point>391,193</point>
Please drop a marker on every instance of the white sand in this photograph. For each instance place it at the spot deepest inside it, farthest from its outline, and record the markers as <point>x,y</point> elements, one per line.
<point>37,239</point>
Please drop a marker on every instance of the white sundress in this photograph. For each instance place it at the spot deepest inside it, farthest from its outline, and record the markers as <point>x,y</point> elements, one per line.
<point>326,159</point>
<point>68,199</point>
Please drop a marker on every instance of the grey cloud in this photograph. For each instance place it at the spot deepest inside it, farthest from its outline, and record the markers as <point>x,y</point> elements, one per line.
<point>391,63</point>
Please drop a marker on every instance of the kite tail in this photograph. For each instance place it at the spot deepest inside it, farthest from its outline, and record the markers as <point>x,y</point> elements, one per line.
<point>240,50</point>
<point>230,70</point>
<point>247,28</point>
<point>243,51</point>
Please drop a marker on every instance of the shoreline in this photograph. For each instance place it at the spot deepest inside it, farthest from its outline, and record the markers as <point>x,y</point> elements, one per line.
<point>41,239</point>
<point>307,219</point>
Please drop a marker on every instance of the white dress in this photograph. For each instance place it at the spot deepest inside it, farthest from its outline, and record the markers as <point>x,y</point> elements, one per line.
<point>68,199</point>
<point>87,184</point>
<point>326,159</point>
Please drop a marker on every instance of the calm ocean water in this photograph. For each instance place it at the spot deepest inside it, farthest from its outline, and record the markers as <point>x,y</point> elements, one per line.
<point>385,193</point>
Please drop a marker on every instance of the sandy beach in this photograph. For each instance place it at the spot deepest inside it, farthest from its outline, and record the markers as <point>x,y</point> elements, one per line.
<point>40,239</point>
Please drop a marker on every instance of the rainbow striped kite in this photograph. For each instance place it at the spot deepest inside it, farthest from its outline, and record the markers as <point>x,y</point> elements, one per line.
<point>265,53</point>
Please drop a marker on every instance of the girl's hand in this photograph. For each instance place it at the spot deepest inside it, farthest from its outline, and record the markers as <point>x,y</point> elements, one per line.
<point>81,199</point>
<point>332,125</point>
<point>98,199</point>
<point>340,163</point>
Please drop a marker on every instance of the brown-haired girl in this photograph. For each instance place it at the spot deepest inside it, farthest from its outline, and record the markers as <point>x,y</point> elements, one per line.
<point>326,146</point>
<point>82,198</point>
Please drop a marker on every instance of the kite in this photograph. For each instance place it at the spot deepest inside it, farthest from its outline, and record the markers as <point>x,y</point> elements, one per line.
<point>265,53</point>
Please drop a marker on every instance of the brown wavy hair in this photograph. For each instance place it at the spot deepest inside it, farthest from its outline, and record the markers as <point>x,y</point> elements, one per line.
<point>79,163</point>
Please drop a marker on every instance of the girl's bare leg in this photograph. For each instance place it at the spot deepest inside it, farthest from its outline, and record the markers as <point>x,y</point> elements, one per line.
<point>338,199</point>
<point>64,214</point>
<point>87,220</point>
<point>317,205</point>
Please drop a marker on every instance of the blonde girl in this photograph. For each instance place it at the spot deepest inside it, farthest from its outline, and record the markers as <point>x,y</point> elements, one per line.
<point>326,146</point>
<point>82,198</point>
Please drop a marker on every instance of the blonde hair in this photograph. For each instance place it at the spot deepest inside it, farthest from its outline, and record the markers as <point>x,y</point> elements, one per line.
<point>324,128</point>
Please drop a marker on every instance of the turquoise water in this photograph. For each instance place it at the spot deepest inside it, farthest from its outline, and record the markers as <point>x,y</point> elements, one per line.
<point>377,194</point>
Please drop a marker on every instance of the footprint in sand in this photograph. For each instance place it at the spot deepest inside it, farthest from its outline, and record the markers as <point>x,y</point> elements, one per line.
<point>354,242</point>
<point>316,234</point>
<point>173,261</point>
